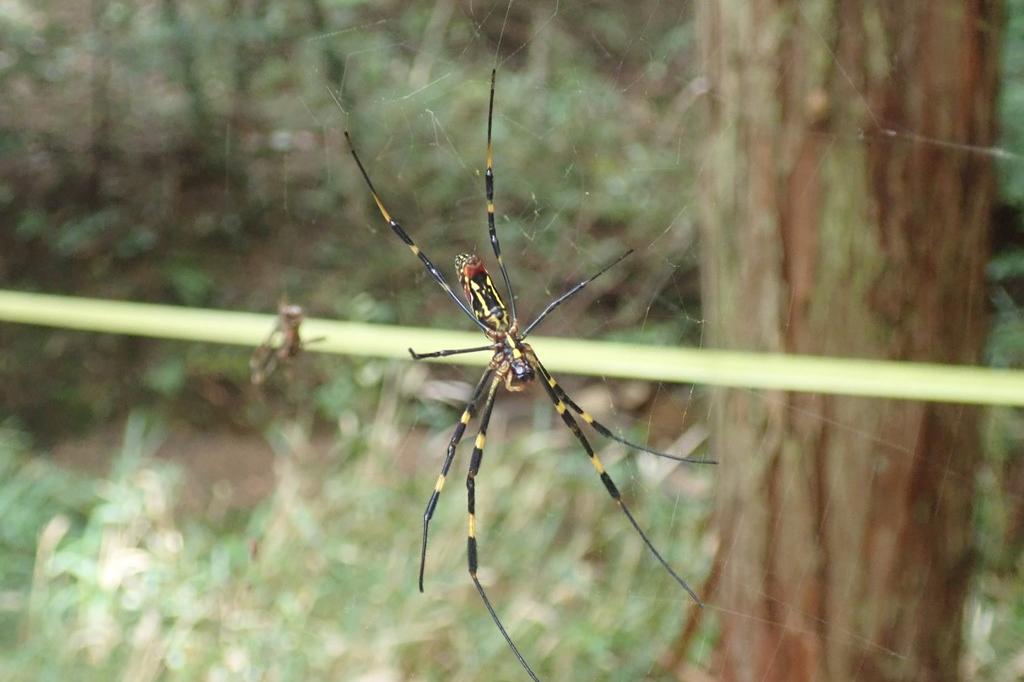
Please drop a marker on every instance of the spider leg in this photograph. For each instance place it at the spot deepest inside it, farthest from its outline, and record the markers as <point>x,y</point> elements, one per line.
<point>609,485</point>
<point>404,236</point>
<point>262,365</point>
<point>489,187</point>
<point>460,429</point>
<point>264,359</point>
<point>601,428</point>
<point>474,467</point>
<point>572,292</point>
<point>446,353</point>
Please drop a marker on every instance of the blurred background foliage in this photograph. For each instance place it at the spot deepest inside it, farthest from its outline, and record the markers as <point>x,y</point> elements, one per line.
<point>162,515</point>
<point>193,154</point>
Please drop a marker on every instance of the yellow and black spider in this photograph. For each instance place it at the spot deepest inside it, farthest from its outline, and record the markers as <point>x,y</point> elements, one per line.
<point>516,365</point>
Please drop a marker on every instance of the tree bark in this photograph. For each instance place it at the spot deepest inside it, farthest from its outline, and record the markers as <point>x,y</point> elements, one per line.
<point>846,200</point>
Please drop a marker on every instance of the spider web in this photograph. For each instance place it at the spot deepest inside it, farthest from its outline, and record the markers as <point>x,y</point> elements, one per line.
<point>574,186</point>
<point>598,138</point>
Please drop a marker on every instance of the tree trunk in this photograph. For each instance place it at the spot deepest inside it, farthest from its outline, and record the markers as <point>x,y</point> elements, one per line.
<point>846,200</point>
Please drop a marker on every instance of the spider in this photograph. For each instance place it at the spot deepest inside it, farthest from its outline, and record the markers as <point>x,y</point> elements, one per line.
<point>281,345</point>
<point>514,364</point>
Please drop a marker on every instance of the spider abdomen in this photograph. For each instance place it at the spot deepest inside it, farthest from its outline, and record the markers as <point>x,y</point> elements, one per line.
<point>480,292</point>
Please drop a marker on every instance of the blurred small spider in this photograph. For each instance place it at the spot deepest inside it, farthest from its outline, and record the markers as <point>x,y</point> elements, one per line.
<point>513,364</point>
<point>281,345</point>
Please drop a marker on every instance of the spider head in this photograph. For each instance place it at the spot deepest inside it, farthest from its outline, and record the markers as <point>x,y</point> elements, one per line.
<point>480,292</point>
<point>520,374</point>
<point>291,315</point>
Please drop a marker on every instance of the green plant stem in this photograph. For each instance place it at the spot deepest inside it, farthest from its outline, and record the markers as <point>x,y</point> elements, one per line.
<point>871,378</point>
